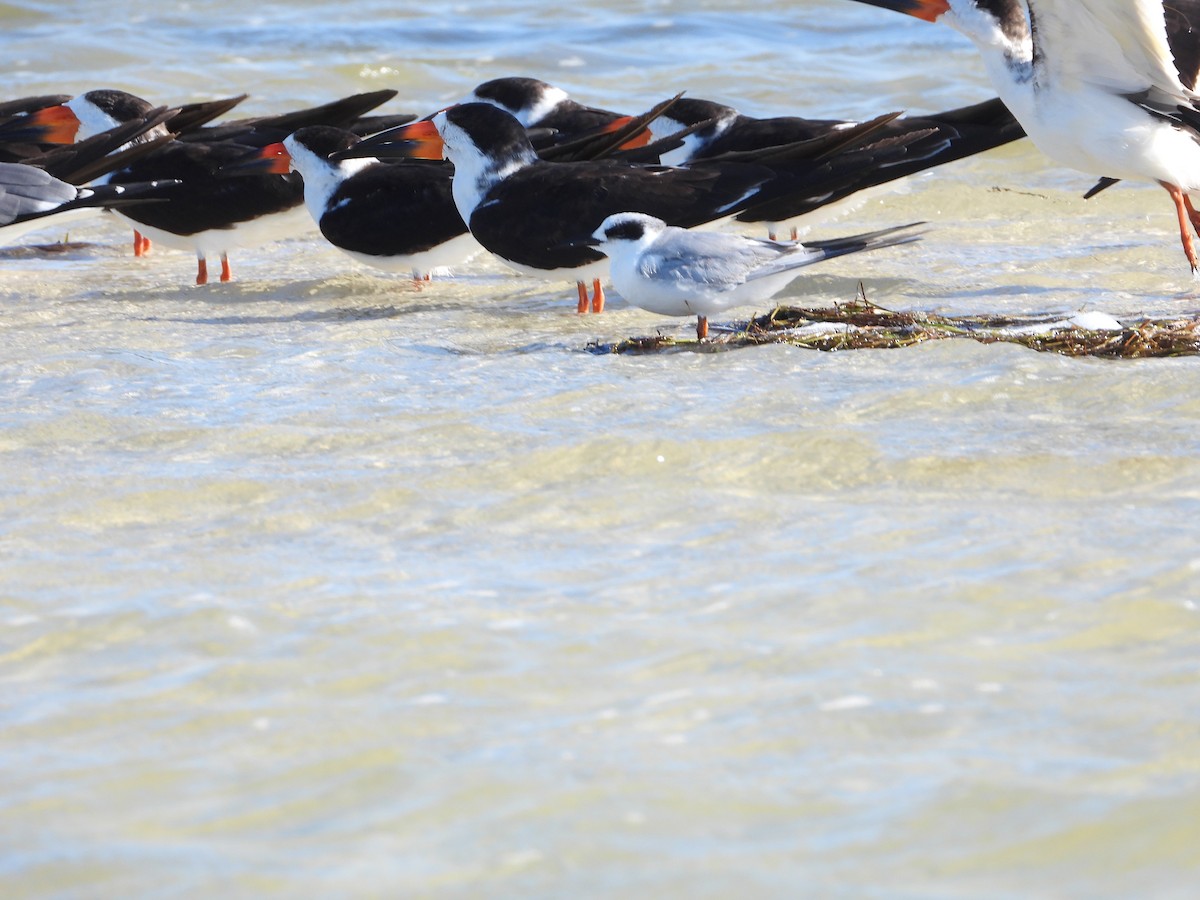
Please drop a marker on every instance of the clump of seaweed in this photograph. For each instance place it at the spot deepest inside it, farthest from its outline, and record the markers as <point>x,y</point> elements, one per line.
<point>863,325</point>
<point>32,251</point>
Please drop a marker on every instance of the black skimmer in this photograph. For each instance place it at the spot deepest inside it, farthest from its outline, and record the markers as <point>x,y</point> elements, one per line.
<point>1104,86</point>
<point>14,148</point>
<point>33,201</point>
<point>23,106</point>
<point>707,129</point>
<point>102,153</point>
<point>676,272</point>
<point>399,217</point>
<point>548,113</point>
<point>527,211</point>
<point>44,120</point>
<point>822,176</point>
<point>693,130</point>
<point>536,104</point>
<point>206,212</point>
<point>31,198</point>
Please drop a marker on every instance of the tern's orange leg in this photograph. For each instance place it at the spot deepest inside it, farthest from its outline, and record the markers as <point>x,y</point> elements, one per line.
<point>597,296</point>
<point>583,297</point>
<point>1185,235</point>
<point>201,270</point>
<point>141,244</point>
<point>226,271</point>
<point>795,234</point>
<point>701,327</point>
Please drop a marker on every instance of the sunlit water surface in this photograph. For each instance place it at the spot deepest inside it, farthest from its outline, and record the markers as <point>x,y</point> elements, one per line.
<point>319,584</point>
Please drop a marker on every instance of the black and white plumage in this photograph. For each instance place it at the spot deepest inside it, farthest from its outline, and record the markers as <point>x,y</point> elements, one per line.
<point>556,124</point>
<point>527,211</point>
<point>45,124</point>
<point>205,212</point>
<point>1104,86</point>
<point>23,106</point>
<point>14,146</point>
<point>398,217</point>
<point>693,130</point>
<point>708,129</point>
<point>43,190</point>
<point>31,198</point>
<point>826,170</point>
<point>537,104</point>
<point>102,153</point>
<point>676,272</point>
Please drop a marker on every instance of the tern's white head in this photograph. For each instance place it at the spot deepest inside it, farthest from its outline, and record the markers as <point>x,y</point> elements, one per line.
<point>628,231</point>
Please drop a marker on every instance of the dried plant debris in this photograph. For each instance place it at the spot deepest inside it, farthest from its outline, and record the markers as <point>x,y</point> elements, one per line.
<point>861,325</point>
<point>33,251</point>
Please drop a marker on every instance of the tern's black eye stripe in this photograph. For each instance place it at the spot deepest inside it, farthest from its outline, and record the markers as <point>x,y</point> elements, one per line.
<point>626,231</point>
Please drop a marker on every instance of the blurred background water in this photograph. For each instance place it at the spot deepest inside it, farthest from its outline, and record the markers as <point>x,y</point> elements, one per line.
<point>317,583</point>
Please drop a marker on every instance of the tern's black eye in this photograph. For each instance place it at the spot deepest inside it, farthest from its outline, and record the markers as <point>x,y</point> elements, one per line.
<point>625,231</point>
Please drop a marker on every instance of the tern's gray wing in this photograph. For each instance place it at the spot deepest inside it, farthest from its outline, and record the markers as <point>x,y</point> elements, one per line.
<point>27,189</point>
<point>814,251</point>
<point>707,258</point>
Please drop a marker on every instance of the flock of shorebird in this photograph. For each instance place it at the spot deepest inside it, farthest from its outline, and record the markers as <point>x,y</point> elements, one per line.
<point>575,193</point>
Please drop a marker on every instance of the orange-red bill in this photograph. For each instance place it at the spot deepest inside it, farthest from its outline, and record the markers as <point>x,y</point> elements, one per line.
<point>929,10</point>
<point>53,125</point>
<point>274,159</point>
<point>640,140</point>
<point>421,140</point>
